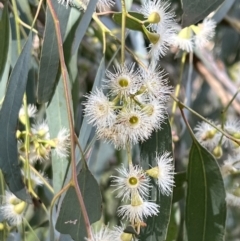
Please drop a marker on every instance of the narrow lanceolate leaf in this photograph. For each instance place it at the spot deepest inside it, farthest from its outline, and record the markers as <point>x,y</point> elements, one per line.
<point>49,62</point>
<point>196,10</point>
<point>70,220</point>
<point>58,119</point>
<point>160,142</point>
<point>8,123</point>
<point>83,25</point>
<point>4,38</point>
<point>206,206</point>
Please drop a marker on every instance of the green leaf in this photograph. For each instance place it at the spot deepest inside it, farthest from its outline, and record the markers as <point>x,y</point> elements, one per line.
<point>8,123</point>
<point>205,205</point>
<point>223,10</point>
<point>160,142</point>
<point>86,129</point>
<point>130,23</point>
<point>4,38</point>
<point>173,227</point>
<point>58,118</point>
<point>180,181</point>
<point>49,62</point>
<point>83,25</point>
<point>70,220</point>
<point>196,10</point>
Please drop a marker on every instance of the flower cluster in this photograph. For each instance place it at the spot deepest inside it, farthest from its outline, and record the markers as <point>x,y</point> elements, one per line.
<point>194,36</point>
<point>210,137</point>
<point>40,141</point>
<point>133,108</point>
<point>133,185</point>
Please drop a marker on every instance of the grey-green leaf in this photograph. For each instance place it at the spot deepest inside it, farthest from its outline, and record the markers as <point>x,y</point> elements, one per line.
<point>49,62</point>
<point>57,119</point>
<point>160,142</point>
<point>83,25</point>
<point>205,205</point>
<point>196,10</point>
<point>70,220</point>
<point>86,128</point>
<point>4,38</point>
<point>8,123</point>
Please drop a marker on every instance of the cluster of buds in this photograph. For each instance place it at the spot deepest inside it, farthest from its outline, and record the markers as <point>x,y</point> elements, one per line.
<point>40,143</point>
<point>213,140</point>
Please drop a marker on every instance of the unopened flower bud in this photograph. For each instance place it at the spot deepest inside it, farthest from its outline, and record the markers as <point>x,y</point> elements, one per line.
<point>126,237</point>
<point>153,172</point>
<point>237,192</point>
<point>19,208</point>
<point>185,33</point>
<point>217,152</point>
<point>136,200</point>
<point>1,226</point>
<point>18,134</point>
<point>153,37</point>
<point>195,29</point>
<point>237,135</point>
<point>154,18</point>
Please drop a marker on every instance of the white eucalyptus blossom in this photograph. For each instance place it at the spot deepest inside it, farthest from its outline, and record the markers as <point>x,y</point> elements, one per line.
<point>138,209</point>
<point>12,209</point>
<point>35,179</point>
<point>158,12</point>
<point>156,113</point>
<point>99,110</point>
<point>101,4</point>
<point>207,135</point>
<point>62,143</point>
<point>195,36</point>
<point>103,234</point>
<point>65,2</point>
<point>232,200</point>
<point>155,84</point>
<point>118,234</point>
<point>232,127</point>
<point>37,152</point>
<point>132,180</point>
<point>206,32</point>
<point>133,125</point>
<point>184,39</point>
<point>231,165</point>
<point>41,130</point>
<point>124,82</point>
<point>160,45</point>
<point>31,109</point>
<point>163,172</point>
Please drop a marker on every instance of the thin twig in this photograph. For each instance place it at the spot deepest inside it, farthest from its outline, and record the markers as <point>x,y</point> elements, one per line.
<point>70,119</point>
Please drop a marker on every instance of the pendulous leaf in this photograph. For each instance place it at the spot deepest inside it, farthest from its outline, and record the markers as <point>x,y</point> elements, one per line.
<point>8,123</point>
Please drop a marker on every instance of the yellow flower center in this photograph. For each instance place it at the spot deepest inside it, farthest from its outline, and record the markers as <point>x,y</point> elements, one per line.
<point>133,181</point>
<point>133,120</point>
<point>123,82</point>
